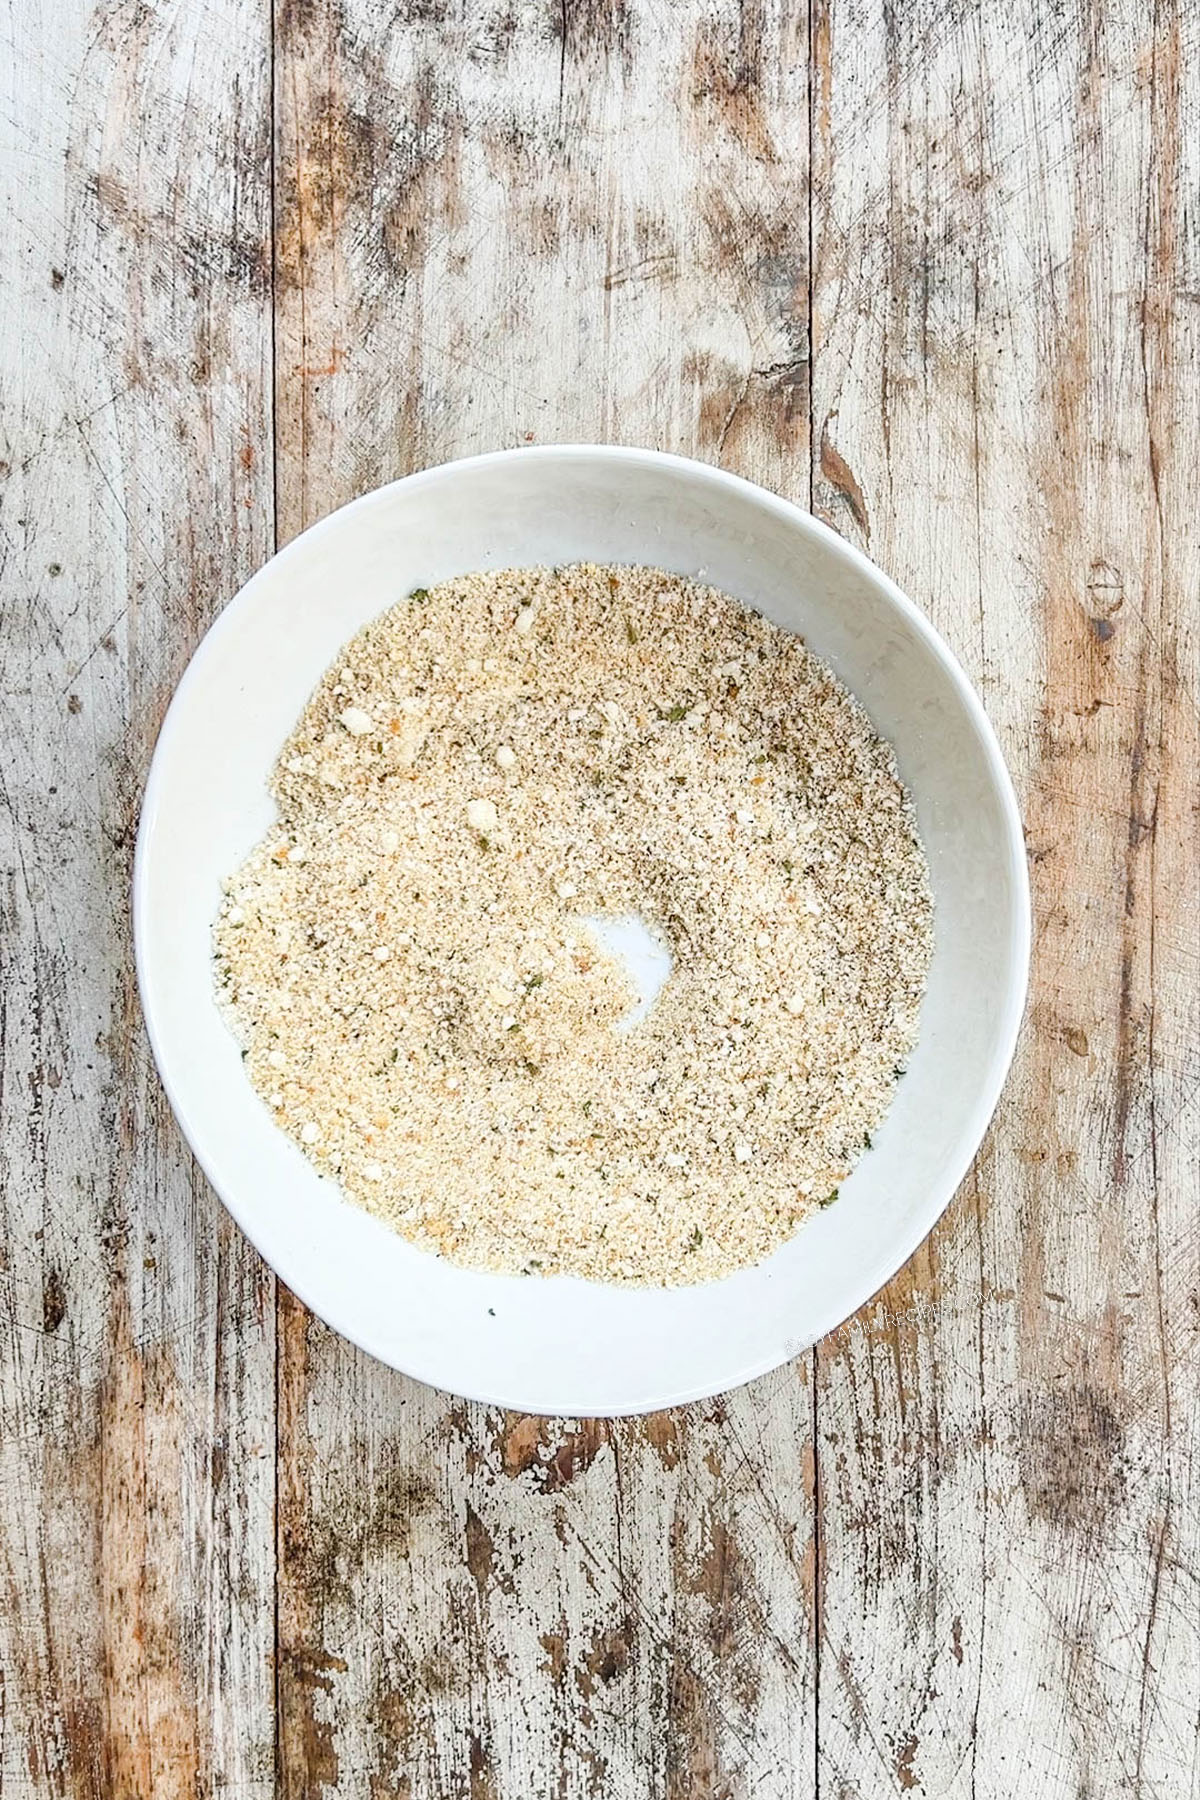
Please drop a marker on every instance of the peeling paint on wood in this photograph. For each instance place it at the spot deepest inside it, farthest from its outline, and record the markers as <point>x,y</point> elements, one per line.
<point>260,258</point>
<point>1002,230</point>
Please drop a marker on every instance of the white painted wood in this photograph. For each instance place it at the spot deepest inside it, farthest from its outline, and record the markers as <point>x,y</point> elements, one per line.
<point>136,1328</point>
<point>962,1559</point>
<point>493,233</point>
<point>1006,388</point>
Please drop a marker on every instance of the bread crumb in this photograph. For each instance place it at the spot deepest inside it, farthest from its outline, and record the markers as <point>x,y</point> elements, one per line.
<point>466,1080</point>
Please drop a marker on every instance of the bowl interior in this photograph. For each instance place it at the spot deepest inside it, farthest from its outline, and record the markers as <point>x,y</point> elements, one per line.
<point>582,1348</point>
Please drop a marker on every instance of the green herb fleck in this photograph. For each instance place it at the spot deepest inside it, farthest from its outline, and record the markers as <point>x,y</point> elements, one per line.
<point>533,981</point>
<point>587,1109</point>
<point>679,711</point>
<point>866,1140</point>
<point>828,1200</point>
<point>696,1239</point>
<point>630,633</point>
<point>420,595</point>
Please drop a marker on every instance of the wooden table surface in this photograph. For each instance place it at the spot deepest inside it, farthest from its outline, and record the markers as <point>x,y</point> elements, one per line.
<point>929,266</point>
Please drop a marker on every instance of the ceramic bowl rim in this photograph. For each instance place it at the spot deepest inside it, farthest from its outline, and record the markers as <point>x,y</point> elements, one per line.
<point>940,1193</point>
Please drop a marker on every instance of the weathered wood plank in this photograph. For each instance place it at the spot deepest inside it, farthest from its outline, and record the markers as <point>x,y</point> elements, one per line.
<point>136,1328</point>
<point>1007,414</point>
<point>490,232</point>
<point>497,225</point>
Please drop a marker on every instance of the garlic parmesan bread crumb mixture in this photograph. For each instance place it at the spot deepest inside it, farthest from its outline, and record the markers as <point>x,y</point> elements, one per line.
<point>407,961</point>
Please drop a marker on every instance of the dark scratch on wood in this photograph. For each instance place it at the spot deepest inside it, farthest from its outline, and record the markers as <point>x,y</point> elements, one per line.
<point>838,473</point>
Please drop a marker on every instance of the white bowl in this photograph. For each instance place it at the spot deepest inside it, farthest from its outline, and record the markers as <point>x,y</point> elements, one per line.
<point>562,1345</point>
